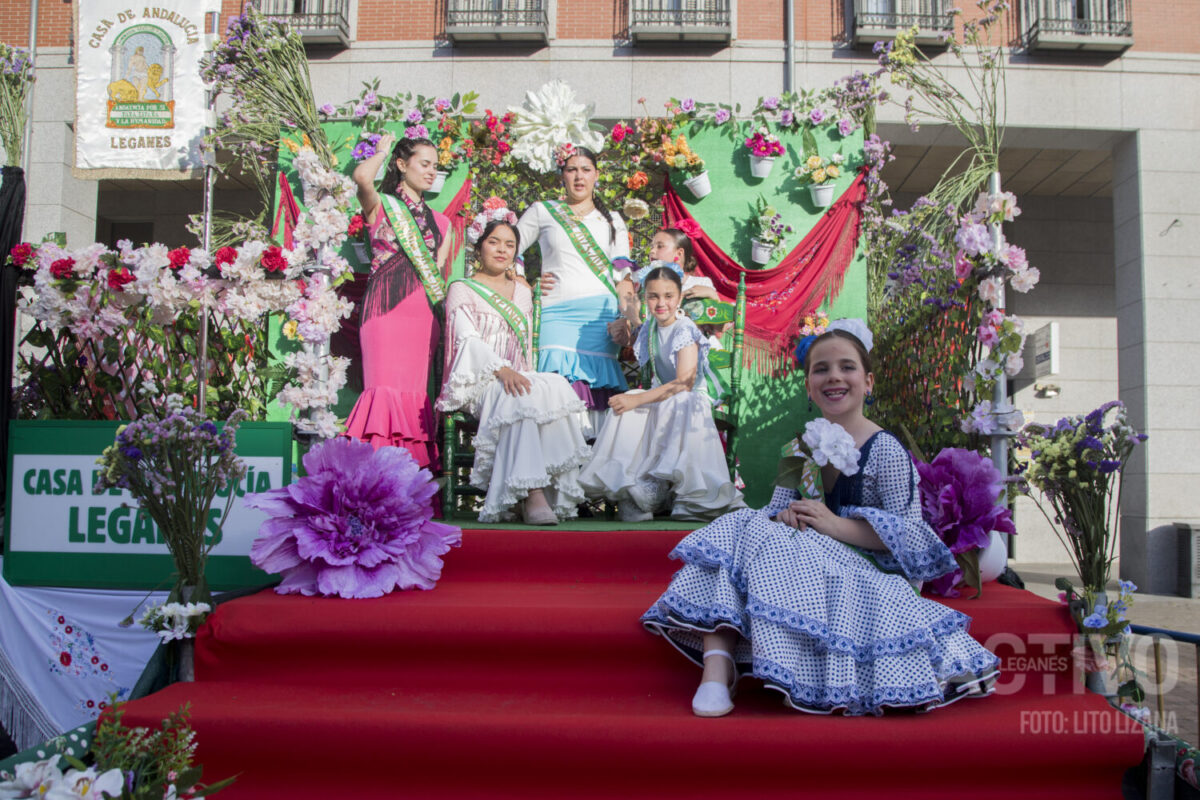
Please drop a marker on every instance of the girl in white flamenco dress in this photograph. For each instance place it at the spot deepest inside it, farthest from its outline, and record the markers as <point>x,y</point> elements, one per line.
<point>659,448</point>
<point>530,443</point>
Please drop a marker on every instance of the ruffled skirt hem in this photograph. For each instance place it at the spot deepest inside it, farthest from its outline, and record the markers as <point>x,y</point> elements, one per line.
<point>386,417</point>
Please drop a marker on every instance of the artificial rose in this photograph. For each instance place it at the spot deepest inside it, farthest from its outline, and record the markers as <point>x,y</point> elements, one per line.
<point>179,257</point>
<point>273,259</point>
<point>63,268</point>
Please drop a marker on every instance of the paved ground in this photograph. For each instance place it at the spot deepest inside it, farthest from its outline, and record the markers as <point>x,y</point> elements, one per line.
<point>1159,611</point>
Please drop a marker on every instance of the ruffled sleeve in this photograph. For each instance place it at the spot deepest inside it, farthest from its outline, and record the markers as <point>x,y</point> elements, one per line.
<point>780,499</point>
<point>892,506</point>
<point>683,333</point>
<point>471,362</point>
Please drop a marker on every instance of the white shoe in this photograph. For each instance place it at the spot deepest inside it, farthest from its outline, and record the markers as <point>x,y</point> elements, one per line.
<point>713,698</point>
<point>628,511</point>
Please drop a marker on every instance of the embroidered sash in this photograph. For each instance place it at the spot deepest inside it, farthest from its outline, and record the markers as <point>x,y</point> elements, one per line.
<point>507,310</point>
<point>413,243</point>
<point>584,242</point>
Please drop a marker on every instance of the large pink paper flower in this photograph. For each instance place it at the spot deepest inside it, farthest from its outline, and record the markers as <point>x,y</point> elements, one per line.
<point>359,524</point>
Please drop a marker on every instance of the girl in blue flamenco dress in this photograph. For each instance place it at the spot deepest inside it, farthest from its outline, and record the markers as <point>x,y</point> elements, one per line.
<point>814,598</point>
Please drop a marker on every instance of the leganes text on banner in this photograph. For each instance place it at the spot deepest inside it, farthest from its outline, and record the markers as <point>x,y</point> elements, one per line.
<point>139,100</point>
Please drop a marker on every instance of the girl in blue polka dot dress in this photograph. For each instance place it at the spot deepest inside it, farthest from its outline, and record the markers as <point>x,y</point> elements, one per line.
<point>815,598</point>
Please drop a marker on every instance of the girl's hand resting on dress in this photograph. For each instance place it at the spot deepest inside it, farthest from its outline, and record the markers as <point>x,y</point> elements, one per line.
<point>623,402</point>
<point>813,514</point>
<point>547,281</point>
<point>514,383</point>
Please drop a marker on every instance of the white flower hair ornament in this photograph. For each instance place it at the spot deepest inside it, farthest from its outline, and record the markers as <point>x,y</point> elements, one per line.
<point>639,277</point>
<point>494,210</point>
<point>856,328</point>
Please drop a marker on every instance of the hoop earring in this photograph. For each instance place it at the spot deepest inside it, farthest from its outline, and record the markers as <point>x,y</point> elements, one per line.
<point>869,399</point>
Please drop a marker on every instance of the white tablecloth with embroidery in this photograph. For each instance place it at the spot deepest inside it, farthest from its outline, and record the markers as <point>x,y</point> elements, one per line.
<point>63,654</point>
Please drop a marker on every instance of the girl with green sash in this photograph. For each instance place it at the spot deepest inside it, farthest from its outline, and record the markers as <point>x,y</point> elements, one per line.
<point>399,330</point>
<point>585,269</point>
<point>530,443</point>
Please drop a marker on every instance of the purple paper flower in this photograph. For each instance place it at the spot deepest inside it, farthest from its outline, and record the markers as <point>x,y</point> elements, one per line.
<point>370,98</point>
<point>363,150</point>
<point>359,524</point>
<point>721,116</point>
<point>416,132</point>
<point>687,104</point>
<point>361,110</point>
<point>771,103</point>
<point>413,117</point>
<point>441,105</point>
<point>846,126</point>
<point>974,239</point>
<point>787,117</point>
<point>327,109</point>
<point>817,116</point>
<point>958,490</point>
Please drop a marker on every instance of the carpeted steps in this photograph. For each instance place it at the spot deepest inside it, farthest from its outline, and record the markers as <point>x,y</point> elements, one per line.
<point>525,674</point>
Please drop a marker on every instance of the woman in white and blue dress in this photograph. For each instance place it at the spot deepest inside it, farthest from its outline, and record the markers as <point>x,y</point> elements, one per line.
<point>814,598</point>
<point>658,449</point>
<point>585,269</point>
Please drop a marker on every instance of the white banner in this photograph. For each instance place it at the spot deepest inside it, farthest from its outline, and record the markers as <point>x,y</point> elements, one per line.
<point>139,101</point>
<point>54,511</point>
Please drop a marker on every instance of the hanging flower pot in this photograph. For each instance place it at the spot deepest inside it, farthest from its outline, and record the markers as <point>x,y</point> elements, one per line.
<point>760,253</point>
<point>822,194</point>
<point>439,182</point>
<point>699,185</point>
<point>760,166</point>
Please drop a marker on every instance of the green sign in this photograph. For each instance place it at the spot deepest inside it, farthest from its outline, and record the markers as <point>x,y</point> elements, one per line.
<point>58,533</point>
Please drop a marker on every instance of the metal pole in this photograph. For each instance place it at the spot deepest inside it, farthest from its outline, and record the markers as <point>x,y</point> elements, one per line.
<point>33,26</point>
<point>1000,393</point>
<point>789,37</point>
<point>210,177</point>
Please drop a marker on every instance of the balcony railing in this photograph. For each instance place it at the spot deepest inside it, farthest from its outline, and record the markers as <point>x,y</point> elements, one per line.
<point>317,21</point>
<point>1097,25</point>
<point>881,20</point>
<point>497,20</point>
<point>681,20</point>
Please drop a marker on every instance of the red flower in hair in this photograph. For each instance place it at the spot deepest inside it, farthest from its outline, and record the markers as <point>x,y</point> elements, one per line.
<point>690,227</point>
<point>63,268</point>
<point>179,257</point>
<point>273,259</point>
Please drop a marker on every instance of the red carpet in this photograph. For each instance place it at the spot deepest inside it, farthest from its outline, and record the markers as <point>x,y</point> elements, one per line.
<point>526,674</point>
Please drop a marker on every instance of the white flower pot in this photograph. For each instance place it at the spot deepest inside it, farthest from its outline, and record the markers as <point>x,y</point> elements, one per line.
<point>361,252</point>
<point>439,182</point>
<point>822,194</point>
<point>760,253</point>
<point>760,166</point>
<point>994,557</point>
<point>699,185</point>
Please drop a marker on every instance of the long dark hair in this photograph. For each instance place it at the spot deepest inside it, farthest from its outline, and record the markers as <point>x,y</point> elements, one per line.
<point>682,242</point>
<point>403,151</point>
<point>596,201</point>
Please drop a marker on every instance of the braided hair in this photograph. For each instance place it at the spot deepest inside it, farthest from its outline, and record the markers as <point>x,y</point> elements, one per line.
<point>596,201</point>
<point>402,151</point>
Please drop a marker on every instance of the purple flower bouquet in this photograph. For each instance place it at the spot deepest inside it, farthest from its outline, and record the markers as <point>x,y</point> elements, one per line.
<point>359,524</point>
<point>959,490</point>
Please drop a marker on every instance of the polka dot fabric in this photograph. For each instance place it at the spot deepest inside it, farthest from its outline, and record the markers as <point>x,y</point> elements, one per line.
<point>832,628</point>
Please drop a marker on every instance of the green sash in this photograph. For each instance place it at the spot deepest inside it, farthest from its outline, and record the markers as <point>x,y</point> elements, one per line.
<point>507,310</point>
<point>584,242</point>
<point>408,235</point>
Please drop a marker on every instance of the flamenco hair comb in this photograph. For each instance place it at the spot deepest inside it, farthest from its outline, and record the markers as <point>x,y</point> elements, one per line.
<point>855,327</point>
<point>639,277</point>
<point>494,209</point>
<point>563,153</point>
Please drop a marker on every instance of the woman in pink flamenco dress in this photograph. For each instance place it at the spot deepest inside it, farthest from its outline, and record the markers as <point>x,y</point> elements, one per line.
<point>400,330</point>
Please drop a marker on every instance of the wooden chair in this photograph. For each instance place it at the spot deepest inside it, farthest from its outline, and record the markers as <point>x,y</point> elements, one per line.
<point>727,416</point>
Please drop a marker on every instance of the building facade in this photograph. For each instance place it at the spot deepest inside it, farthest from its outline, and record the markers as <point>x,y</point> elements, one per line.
<point>1102,148</point>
